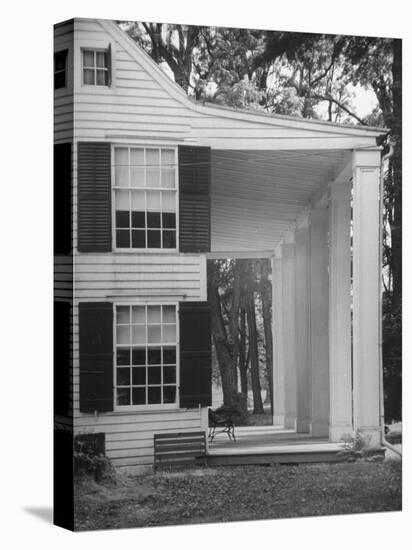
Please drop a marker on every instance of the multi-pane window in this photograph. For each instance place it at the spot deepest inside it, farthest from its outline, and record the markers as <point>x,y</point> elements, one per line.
<point>145,197</point>
<point>96,67</point>
<point>146,341</point>
<point>60,61</point>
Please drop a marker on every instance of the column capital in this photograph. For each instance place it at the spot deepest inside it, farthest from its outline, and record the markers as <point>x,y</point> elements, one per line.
<point>302,234</point>
<point>366,158</point>
<point>288,250</point>
<point>318,215</point>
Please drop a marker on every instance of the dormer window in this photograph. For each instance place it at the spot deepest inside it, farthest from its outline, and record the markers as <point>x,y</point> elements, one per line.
<point>96,67</point>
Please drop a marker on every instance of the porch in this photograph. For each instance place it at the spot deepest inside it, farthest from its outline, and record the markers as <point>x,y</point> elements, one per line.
<point>270,445</point>
<point>315,213</point>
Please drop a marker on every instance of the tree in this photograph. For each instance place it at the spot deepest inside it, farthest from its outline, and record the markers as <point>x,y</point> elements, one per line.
<point>266,297</point>
<point>243,353</point>
<point>220,338</point>
<point>377,62</point>
<point>309,68</point>
<point>298,74</point>
<point>233,287</point>
<point>170,43</point>
<point>202,56</point>
<point>249,301</point>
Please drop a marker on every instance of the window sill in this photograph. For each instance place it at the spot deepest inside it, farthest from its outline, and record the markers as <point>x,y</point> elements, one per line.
<point>88,88</point>
<point>146,251</point>
<point>145,411</point>
<point>148,409</point>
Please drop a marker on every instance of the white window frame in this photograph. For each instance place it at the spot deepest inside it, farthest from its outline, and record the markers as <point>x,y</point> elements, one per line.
<point>144,146</point>
<point>155,406</point>
<point>95,68</point>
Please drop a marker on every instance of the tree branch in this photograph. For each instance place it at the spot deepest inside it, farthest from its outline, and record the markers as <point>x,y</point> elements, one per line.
<point>339,104</point>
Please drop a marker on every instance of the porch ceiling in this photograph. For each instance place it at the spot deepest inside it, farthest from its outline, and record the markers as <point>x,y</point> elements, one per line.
<point>257,195</point>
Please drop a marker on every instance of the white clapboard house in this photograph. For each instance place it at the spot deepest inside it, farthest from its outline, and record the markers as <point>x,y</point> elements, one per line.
<point>149,184</point>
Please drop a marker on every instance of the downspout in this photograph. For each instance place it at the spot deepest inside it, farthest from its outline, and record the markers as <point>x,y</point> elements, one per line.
<point>381,394</point>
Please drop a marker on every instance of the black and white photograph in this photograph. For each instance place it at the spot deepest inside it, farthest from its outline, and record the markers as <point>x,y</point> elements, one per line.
<point>225,334</point>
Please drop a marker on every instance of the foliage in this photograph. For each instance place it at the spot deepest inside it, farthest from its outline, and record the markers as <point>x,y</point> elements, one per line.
<point>392,359</point>
<point>357,442</point>
<point>211,63</point>
<point>358,446</point>
<point>240,494</point>
<point>89,461</point>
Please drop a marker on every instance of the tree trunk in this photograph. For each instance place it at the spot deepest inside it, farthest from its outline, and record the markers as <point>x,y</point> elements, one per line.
<point>234,316</point>
<point>223,355</point>
<point>243,360</point>
<point>396,228</point>
<point>266,295</point>
<point>254,358</point>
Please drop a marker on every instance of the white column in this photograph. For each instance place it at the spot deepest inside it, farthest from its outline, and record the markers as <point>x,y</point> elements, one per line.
<point>303,358</point>
<point>278,354</point>
<point>340,363</point>
<point>289,332</point>
<point>366,288</point>
<point>319,321</point>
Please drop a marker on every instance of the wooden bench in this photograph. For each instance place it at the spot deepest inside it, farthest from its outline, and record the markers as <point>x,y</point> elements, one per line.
<point>179,449</point>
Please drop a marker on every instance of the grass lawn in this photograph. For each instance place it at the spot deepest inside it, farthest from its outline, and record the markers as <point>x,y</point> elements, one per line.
<point>238,493</point>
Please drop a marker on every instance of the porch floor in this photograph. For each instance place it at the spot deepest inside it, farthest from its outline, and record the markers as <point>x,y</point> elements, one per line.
<point>270,444</point>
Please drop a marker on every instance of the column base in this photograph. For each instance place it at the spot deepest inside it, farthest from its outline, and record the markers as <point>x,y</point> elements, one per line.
<point>303,425</point>
<point>278,419</point>
<point>290,422</point>
<point>320,428</point>
<point>371,436</point>
<point>337,432</point>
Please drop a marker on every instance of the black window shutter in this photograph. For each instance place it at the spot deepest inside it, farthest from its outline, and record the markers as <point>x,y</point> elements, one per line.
<point>195,355</point>
<point>96,356</point>
<point>61,357</point>
<point>194,203</point>
<point>94,197</point>
<point>62,222</point>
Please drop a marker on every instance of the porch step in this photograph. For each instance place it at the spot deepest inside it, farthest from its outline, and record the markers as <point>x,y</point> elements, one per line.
<point>274,457</point>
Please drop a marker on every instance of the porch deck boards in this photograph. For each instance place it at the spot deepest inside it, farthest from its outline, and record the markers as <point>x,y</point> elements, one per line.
<point>270,445</point>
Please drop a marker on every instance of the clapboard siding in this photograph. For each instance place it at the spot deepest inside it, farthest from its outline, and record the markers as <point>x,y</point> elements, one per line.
<point>129,437</point>
<point>136,104</point>
<point>141,274</point>
<point>63,97</point>
<point>143,421</point>
<point>87,102</point>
